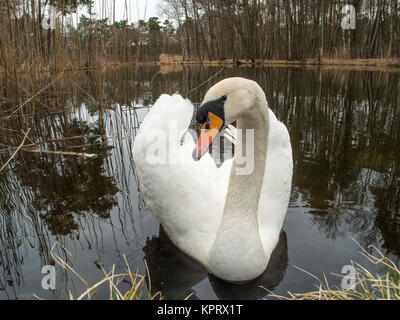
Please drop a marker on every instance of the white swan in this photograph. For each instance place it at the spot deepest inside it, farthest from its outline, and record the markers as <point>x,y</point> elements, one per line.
<point>227,221</point>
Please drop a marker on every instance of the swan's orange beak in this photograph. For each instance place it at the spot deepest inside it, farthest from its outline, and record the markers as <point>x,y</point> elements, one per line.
<point>209,130</point>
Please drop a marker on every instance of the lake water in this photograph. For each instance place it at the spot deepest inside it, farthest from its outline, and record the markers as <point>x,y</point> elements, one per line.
<point>345,133</point>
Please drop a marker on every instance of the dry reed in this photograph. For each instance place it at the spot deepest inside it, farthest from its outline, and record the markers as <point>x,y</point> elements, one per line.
<point>367,286</point>
<point>113,279</point>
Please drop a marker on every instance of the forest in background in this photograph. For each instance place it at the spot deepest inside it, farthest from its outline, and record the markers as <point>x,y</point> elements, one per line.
<point>197,30</point>
<point>285,29</point>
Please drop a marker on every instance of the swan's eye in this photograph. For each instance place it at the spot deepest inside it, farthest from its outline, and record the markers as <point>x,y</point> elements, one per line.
<point>224,97</point>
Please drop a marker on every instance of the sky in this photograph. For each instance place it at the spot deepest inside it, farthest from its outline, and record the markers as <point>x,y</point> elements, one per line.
<point>131,10</point>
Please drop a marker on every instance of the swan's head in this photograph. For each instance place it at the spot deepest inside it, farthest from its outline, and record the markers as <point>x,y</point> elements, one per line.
<point>227,101</point>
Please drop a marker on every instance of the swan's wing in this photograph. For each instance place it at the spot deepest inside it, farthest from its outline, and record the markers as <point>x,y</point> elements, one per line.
<point>186,196</point>
<point>277,183</point>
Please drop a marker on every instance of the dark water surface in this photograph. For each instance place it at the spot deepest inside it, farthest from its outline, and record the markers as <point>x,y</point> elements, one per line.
<point>345,133</point>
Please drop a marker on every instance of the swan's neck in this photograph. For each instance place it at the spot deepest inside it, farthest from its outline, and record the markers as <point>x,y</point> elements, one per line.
<point>238,242</point>
<point>246,178</point>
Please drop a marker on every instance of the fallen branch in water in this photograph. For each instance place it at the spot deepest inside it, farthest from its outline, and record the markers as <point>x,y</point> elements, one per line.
<point>65,153</point>
<point>16,151</point>
<point>9,130</point>
<point>26,146</point>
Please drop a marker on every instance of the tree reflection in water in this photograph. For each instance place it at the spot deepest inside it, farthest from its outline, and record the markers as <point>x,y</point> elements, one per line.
<point>66,187</point>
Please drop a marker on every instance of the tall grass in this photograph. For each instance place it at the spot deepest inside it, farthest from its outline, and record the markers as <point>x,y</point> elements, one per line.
<point>111,278</point>
<point>367,286</point>
<point>26,46</point>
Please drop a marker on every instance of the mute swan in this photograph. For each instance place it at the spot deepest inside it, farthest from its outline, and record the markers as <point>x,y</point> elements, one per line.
<point>230,222</point>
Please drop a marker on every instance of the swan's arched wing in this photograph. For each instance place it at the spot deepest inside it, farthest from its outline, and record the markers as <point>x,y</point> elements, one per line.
<point>186,196</point>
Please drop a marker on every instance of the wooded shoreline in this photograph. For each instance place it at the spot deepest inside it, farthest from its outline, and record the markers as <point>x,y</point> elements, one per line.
<point>392,65</point>
<point>394,62</point>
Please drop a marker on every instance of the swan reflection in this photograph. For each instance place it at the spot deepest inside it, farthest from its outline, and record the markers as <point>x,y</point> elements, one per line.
<point>174,274</point>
